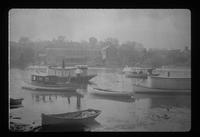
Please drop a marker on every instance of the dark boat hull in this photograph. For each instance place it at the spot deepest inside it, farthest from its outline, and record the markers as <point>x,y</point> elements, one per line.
<point>64,119</point>
<point>112,95</point>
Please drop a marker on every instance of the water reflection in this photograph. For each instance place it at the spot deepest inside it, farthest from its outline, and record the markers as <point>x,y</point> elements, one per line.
<point>87,126</point>
<point>160,100</point>
<point>114,98</point>
<point>51,97</point>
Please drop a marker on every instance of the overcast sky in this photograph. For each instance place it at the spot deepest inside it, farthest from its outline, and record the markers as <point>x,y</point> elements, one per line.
<point>154,28</point>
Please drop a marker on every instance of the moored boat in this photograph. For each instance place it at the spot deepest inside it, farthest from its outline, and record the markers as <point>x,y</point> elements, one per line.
<point>58,78</point>
<point>148,90</point>
<point>162,84</point>
<point>78,117</point>
<point>111,93</point>
<point>177,83</point>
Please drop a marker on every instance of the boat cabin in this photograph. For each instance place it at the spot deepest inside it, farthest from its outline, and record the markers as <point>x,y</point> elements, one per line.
<point>53,75</point>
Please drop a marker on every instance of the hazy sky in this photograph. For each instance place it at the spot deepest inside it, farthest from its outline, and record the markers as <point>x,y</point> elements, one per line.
<point>157,28</point>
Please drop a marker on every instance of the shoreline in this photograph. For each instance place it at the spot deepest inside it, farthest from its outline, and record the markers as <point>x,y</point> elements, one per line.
<point>157,119</point>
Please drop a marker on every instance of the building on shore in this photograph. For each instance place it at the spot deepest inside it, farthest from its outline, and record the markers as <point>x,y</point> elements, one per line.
<point>110,56</point>
<point>72,56</point>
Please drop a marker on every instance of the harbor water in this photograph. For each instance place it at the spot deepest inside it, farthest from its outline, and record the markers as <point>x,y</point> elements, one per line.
<point>140,113</point>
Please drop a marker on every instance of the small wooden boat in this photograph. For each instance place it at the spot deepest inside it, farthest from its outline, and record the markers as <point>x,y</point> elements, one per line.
<point>78,117</point>
<point>114,98</point>
<point>111,93</point>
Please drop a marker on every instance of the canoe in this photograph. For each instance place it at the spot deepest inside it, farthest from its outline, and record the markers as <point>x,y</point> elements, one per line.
<point>141,89</point>
<point>125,98</point>
<point>78,117</point>
<point>111,93</point>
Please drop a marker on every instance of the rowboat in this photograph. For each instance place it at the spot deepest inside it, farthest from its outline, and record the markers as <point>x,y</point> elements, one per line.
<point>78,117</point>
<point>15,103</point>
<point>145,90</point>
<point>111,93</point>
<point>174,83</point>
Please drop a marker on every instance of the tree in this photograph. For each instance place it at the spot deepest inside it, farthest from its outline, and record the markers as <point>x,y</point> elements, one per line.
<point>93,41</point>
<point>24,40</point>
<point>61,38</point>
<point>112,42</point>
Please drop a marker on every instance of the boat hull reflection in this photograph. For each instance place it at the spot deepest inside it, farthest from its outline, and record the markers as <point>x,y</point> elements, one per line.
<point>88,126</point>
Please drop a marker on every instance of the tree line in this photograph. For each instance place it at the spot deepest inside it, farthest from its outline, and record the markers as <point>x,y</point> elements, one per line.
<point>25,52</point>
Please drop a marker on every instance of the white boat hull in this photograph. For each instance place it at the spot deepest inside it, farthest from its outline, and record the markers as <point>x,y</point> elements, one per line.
<point>177,83</point>
<point>143,89</point>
